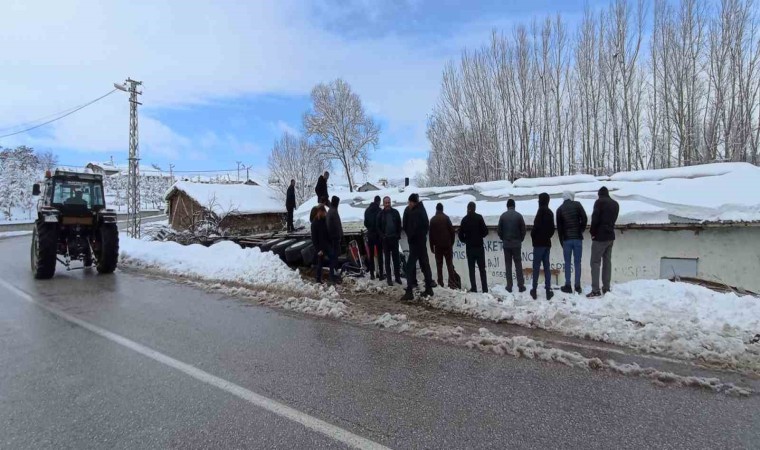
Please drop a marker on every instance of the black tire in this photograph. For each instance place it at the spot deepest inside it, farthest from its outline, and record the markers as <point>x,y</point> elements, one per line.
<point>44,250</point>
<point>308,254</point>
<point>293,253</point>
<point>279,248</point>
<point>109,249</point>
<point>267,246</point>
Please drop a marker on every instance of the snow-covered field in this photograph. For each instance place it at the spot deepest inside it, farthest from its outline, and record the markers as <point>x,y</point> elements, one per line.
<point>674,319</point>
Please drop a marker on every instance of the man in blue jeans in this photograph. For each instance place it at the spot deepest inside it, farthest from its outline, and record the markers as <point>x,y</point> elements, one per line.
<point>541,234</point>
<point>571,223</point>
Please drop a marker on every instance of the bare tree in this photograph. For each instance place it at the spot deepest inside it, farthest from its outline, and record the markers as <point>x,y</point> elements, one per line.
<point>295,158</point>
<point>340,127</point>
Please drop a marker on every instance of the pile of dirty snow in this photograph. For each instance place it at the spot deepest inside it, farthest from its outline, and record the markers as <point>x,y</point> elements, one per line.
<point>655,316</point>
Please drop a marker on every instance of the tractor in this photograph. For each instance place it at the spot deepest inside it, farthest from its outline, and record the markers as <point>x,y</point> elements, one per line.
<point>73,224</point>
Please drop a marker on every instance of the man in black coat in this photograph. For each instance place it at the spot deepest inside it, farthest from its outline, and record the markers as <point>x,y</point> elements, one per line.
<point>571,223</point>
<point>511,230</point>
<point>335,231</point>
<point>320,238</point>
<point>321,188</point>
<point>472,231</point>
<point>541,234</point>
<point>442,238</point>
<point>416,227</point>
<point>389,228</point>
<point>290,203</point>
<point>603,221</point>
<point>374,243</point>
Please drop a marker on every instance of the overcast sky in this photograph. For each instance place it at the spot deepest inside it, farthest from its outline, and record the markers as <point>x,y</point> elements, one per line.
<point>222,79</point>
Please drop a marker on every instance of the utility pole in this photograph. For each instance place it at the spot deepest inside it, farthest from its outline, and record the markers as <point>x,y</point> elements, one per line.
<point>171,174</point>
<point>133,183</point>
<point>247,172</point>
<point>238,170</point>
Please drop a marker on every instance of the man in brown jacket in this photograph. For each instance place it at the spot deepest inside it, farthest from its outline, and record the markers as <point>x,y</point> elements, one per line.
<point>442,237</point>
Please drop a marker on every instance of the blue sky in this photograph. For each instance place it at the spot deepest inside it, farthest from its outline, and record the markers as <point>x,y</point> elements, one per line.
<point>224,79</point>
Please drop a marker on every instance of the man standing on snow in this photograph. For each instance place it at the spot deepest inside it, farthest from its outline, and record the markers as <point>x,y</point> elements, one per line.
<point>512,232</point>
<point>541,234</point>
<point>603,236</point>
<point>442,237</point>
<point>320,238</point>
<point>290,203</point>
<point>374,243</point>
<point>335,231</point>
<point>472,231</point>
<point>389,228</point>
<point>416,228</point>
<point>571,223</point>
<point>321,188</point>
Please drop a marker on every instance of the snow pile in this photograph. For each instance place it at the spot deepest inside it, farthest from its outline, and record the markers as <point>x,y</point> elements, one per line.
<point>10,234</point>
<point>681,320</point>
<point>225,261</point>
<point>226,199</point>
<point>712,193</point>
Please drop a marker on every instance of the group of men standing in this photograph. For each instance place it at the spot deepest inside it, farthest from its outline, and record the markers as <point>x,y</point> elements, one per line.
<point>571,223</point>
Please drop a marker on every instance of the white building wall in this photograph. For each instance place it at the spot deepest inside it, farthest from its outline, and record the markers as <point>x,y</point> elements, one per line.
<point>729,255</point>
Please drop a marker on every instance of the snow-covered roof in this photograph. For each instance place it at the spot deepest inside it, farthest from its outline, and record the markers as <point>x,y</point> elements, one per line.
<point>235,199</point>
<point>724,192</point>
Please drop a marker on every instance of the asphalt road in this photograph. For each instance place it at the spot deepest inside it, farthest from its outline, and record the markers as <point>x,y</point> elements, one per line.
<point>129,361</point>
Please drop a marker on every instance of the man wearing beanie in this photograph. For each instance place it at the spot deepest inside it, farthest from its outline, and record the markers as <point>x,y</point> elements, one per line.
<point>472,231</point>
<point>416,226</point>
<point>541,234</point>
<point>511,231</point>
<point>571,223</point>
<point>603,236</point>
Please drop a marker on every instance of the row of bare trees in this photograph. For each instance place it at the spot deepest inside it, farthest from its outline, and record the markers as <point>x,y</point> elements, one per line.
<point>335,130</point>
<point>630,88</point>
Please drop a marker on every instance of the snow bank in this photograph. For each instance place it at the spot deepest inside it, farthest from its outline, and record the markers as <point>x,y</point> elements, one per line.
<point>704,170</point>
<point>225,261</point>
<point>553,181</point>
<point>9,234</point>
<point>232,198</point>
<point>676,319</point>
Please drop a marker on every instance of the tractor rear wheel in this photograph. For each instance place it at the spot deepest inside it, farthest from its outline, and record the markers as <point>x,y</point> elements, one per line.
<point>108,249</point>
<point>44,249</point>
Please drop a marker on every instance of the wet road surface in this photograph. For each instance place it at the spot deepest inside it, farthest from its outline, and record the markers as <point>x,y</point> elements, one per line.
<point>72,378</point>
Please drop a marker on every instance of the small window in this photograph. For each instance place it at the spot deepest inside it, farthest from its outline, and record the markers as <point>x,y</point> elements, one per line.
<point>678,267</point>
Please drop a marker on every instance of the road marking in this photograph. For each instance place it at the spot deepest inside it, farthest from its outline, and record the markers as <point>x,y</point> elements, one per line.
<point>282,410</point>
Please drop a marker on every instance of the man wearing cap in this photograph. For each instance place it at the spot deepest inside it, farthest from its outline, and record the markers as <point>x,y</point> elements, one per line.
<point>416,227</point>
<point>512,232</point>
<point>571,223</point>
<point>603,236</point>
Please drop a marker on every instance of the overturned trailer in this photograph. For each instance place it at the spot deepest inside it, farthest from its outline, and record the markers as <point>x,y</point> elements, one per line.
<point>674,223</point>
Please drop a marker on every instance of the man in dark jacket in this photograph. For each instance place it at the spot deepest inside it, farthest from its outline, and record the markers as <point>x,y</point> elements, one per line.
<point>320,238</point>
<point>335,231</point>
<point>290,203</point>
<point>389,228</point>
<point>416,227</point>
<point>571,223</point>
<point>512,232</point>
<point>472,231</point>
<point>442,237</point>
<point>320,202</point>
<point>374,243</point>
<point>321,187</point>
<point>603,236</point>
<point>541,234</point>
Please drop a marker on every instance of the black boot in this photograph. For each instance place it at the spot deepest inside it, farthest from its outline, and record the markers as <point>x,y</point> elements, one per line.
<point>533,294</point>
<point>408,296</point>
<point>398,280</point>
<point>372,275</point>
<point>522,288</point>
<point>594,294</point>
<point>428,292</point>
<point>567,289</point>
<point>549,294</point>
<point>390,281</point>
<point>509,289</point>
<point>578,289</point>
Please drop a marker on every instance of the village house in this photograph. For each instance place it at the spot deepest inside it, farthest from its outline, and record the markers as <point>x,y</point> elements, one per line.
<point>236,209</point>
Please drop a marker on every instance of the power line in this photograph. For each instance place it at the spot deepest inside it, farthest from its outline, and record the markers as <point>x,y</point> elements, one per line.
<point>59,117</point>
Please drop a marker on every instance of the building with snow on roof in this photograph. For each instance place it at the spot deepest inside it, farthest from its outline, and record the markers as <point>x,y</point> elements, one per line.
<point>699,222</point>
<point>238,209</point>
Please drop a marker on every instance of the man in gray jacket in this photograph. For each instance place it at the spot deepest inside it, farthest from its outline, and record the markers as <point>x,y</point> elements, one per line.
<point>511,231</point>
